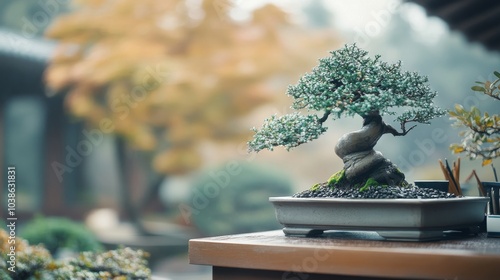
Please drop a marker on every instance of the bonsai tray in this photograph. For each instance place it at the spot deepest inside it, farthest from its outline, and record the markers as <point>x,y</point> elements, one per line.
<point>393,219</point>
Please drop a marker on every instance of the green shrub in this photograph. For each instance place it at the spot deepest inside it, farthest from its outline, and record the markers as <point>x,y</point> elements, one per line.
<point>60,233</point>
<point>234,198</point>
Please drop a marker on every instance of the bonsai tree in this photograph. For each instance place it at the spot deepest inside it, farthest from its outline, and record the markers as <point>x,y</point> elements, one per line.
<point>482,137</point>
<point>350,83</point>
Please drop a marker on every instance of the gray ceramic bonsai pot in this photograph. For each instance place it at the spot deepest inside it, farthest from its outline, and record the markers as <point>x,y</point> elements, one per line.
<point>393,219</point>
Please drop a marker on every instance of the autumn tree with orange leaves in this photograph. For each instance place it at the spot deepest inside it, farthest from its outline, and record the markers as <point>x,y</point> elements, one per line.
<point>166,77</point>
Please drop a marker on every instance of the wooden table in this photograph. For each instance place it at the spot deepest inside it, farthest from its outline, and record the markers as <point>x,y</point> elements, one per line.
<point>345,255</point>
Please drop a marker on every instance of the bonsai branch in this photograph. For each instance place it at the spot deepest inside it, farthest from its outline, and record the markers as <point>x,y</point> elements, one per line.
<point>385,128</point>
<point>394,132</point>
<point>324,117</point>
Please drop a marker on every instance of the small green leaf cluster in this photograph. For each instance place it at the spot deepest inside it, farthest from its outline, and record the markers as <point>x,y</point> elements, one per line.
<point>288,131</point>
<point>481,139</point>
<point>489,88</point>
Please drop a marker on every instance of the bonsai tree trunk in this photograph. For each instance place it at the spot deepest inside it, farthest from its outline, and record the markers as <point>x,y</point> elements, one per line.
<point>361,161</point>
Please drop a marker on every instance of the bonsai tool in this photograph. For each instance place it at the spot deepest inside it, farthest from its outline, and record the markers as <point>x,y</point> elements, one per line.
<point>495,194</point>
<point>453,178</point>
<point>494,172</point>
<point>456,172</point>
<point>492,193</point>
<point>494,199</point>
<point>448,174</point>
<point>480,187</point>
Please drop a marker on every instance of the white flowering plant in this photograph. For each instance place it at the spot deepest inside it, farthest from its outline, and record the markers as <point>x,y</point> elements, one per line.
<point>481,138</point>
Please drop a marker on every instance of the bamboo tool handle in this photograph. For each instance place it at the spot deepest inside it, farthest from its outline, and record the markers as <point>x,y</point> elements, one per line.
<point>482,191</point>
<point>479,184</point>
<point>457,177</point>
<point>455,182</point>
<point>480,188</point>
<point>494,172</point>
<point>456,173</point>
<point>451,186</point>
<point>445,173</point>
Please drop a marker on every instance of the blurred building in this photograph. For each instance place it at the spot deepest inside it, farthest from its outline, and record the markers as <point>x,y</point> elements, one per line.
<point>479,21</point>
<point>35,130</point>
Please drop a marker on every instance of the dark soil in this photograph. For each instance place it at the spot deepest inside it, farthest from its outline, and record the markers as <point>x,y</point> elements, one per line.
<point>377,192</point>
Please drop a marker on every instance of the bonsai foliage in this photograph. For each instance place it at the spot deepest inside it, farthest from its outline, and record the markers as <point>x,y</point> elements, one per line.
<point>350,83</point>
<point>168,76</point>
<point>345,84</point>
<point>482,137</point>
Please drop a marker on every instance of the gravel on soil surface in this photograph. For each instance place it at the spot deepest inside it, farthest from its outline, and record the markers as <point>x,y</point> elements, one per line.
<point>374,192</point>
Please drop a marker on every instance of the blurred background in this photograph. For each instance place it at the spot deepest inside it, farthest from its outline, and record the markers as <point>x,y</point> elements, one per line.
<point>132,117</point>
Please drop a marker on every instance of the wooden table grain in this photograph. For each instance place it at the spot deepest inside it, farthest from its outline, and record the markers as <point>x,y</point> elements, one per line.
<point>346,255</point>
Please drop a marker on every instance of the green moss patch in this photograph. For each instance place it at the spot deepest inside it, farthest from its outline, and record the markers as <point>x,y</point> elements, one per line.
<point>336,178</point>
<point>370,182</point>
<point>315,187</point>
